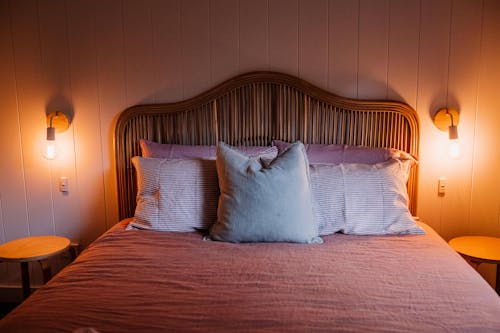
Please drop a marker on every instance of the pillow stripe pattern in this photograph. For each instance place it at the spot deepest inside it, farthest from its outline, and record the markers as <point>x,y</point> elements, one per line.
<point>376,200</point>
<point>175,195</point>
<point>362,199</point>
<point>148,180</point>
<point>327,189</point>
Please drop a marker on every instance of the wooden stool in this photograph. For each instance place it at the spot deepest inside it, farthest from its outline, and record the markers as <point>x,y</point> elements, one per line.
<point>35,248</point>
<point>479,249</point>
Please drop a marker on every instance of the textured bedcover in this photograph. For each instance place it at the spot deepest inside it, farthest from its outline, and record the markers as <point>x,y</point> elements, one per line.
<point>144,281</point>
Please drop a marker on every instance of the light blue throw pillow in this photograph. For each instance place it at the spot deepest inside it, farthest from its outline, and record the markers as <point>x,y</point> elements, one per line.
<point>264,203</point>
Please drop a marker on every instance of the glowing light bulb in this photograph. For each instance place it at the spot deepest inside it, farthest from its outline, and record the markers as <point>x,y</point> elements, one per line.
<point>454,149</point>
<point>50,149</point>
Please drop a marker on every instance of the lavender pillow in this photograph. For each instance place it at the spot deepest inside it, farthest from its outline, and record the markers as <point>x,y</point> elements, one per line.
<point>337,154</point>
<point>174,151</point>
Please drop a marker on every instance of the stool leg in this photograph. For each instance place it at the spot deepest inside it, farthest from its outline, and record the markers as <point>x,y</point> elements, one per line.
<point>497,286</point>
<point>74,250</point>
<point>47,274</point>
<point>25,273</point>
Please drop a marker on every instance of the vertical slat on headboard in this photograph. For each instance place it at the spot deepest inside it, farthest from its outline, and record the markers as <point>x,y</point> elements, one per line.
<point>253,109</point>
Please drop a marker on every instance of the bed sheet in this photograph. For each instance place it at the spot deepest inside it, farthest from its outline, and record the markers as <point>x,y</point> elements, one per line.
<point>146,281</point>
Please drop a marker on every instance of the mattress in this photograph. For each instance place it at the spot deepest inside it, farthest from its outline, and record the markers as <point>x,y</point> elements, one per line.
<point>146,281</point>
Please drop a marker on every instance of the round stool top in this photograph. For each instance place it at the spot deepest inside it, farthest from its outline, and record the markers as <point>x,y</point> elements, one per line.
<point>33,248</point>
<point>478,247</point>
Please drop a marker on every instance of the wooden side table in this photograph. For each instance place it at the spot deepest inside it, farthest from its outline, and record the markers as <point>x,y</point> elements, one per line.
<point>35,248</point>
<point>479,249</point>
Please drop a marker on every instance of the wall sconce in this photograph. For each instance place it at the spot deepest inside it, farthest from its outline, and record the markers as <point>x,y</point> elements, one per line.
<point>57,122</point>
<point>447,120</point>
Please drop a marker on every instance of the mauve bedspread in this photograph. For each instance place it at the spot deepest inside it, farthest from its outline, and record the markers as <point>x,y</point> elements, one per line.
<point>144,281</point>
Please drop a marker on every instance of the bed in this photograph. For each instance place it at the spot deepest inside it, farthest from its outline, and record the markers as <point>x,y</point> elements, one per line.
<point>157,281</point>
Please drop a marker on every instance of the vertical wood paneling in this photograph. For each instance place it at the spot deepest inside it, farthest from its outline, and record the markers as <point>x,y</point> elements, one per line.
<point>195,27</point>
<point>485,203</point>
<point>88,149</point>
<point>167,53</point>
<point>343,47</point>
<point>99,57</point>
<point>138,36</point>
<point>373,48</point>
<point>253,35</point>
<point>31,102</point>
<point>283,36</point>
<point>13,214</point>
<point>402,69</point>
<point>462,95</point>
<point>313,41</point>
<point>56,89</point>
<point>111,91</point>
<point>12,186</point>
<point>431,95</point>
<point>224,46</point>
<point>13,210</point>
<point>485,196</point>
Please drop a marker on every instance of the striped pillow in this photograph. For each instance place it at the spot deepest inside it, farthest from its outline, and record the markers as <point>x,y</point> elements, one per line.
<point>363,199</point>
<point>327,190</point>
<point>376,199</point>
<point>175,195</point>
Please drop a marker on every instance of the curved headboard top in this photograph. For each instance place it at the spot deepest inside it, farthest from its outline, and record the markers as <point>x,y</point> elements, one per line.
<point>257,107</point>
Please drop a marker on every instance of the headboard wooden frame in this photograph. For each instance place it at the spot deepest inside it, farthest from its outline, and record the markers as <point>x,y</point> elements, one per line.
<point>253,109</point>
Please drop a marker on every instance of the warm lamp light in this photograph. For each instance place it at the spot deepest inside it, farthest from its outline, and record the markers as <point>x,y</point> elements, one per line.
<point>50,151</point>
<point>56,122</point>
<point>454,149</point>
<point>447,120</point>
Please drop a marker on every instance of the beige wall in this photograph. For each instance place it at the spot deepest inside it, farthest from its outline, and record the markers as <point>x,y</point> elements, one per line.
<point>95,58</point>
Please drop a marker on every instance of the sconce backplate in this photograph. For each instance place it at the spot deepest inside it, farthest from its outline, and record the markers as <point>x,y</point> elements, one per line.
<point>442,118</point>
<point>59,121</point>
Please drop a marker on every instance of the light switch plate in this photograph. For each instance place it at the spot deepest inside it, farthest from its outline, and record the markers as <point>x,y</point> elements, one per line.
<point>63,184</point>
<point>441,186</point>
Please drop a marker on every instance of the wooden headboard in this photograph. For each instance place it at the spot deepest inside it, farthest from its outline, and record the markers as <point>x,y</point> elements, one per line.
<point>253,109</point>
